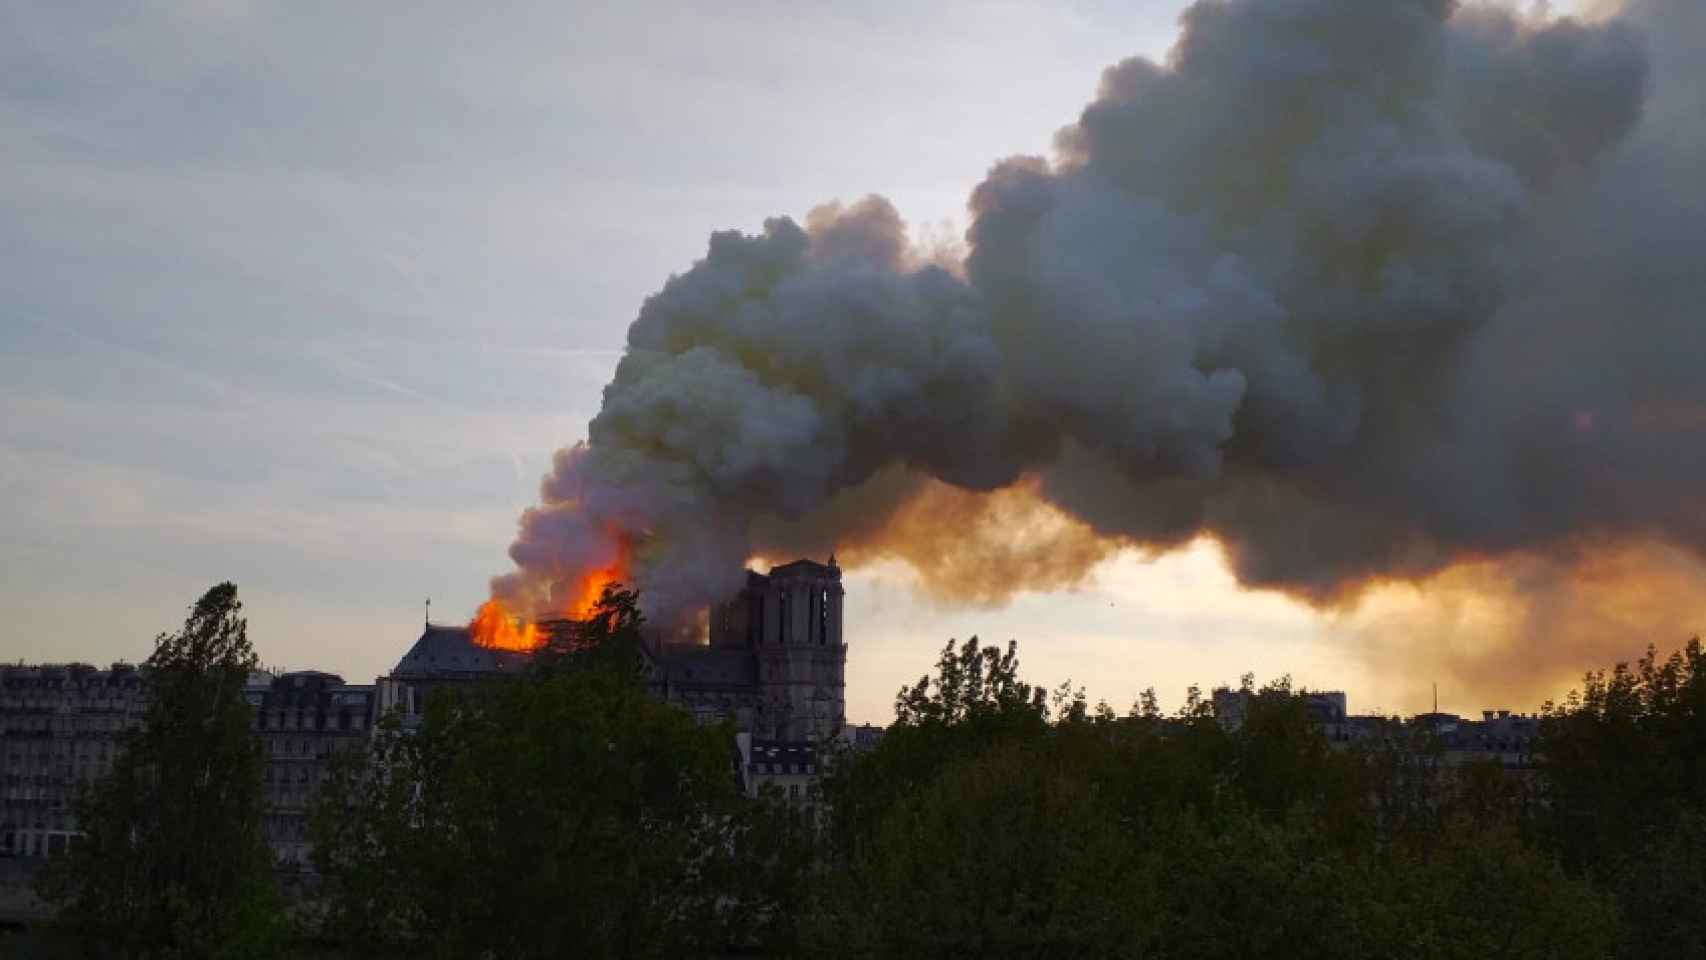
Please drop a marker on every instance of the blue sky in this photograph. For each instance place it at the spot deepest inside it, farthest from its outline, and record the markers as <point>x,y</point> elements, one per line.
<point>304,296</point>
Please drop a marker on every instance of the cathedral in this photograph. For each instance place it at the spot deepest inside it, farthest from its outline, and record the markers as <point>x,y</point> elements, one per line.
<point>774,659</point>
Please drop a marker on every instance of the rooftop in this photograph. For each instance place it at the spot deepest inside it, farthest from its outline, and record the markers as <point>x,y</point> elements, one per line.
<point>807,568</point>
<point>451,652</point>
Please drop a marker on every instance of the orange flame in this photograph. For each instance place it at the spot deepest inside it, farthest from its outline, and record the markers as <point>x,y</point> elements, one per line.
<point>497,628</point>
<point>589,589</point>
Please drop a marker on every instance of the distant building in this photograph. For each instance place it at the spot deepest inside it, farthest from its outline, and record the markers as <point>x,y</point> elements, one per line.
<point>63,725</point>
<point>1500,736</point>
<point>863,736</point>
<point>303,720</point>
<point>60,727</point>
<point>789,767</point>
<point>1230,706</point>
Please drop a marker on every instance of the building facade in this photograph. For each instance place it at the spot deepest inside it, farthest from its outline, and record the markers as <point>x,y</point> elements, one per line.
<point>787,767</point>
<point>61,726</point>
<point>303,720</point>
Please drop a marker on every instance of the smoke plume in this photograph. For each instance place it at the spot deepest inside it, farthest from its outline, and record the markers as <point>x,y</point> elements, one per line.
<point>1364,291</point>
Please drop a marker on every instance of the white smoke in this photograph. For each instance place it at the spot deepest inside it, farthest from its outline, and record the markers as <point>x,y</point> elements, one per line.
<point>1358,288</point>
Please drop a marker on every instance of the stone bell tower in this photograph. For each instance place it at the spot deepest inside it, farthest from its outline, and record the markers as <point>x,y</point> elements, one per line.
<point>801,654</point>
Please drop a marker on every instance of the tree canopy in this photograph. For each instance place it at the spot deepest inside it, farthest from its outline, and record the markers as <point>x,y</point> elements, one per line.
<point>985,823</point>
<point>1624,764</point>
<point>172,861</point>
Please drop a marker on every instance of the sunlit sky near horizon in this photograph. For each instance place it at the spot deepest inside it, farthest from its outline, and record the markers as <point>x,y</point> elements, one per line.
<point>305,295</point>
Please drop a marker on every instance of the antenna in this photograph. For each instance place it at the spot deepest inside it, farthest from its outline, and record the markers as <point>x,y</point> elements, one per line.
<point>1436,696</point>
<point>428,618</point>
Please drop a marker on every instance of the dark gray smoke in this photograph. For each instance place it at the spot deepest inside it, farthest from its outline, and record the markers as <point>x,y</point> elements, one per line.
<point>1360,289</point>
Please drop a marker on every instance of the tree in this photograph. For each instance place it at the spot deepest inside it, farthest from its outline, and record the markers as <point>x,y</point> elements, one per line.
<point>983,825</point>
<point>1625,766</point>
<point>1661,893</point>
<point>974,699</point>
<point>1007,852</point>
<point>971,684</point>
<point>172,861</point>
<point>1626,757</point>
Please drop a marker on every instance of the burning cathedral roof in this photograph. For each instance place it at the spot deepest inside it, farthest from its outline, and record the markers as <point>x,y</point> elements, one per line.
<point>444,651</point>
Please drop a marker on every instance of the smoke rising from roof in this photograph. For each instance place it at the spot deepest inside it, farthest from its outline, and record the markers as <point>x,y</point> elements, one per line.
<point>1361,290</point>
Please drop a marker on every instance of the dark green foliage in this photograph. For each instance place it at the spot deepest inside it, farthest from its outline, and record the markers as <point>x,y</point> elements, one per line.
<point>1004,853</point>
<point>975,698</point>
<point>1627,755</point>
<point>972,685</point>
<point>172,862</point>
<point>982,826</point>
<point>1625,762</point>
<point>1663,892</point>
<point>1473,891</point>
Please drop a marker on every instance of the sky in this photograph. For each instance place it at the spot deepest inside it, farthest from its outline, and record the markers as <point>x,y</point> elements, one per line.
<point>304,296</point>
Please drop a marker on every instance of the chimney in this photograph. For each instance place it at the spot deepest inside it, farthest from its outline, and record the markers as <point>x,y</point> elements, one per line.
<point>1486,716</point>
<point>1504,714</point>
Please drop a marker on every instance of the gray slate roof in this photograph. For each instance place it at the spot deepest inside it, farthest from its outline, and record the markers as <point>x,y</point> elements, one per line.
<point>450,652</point>
<point>690,666</point>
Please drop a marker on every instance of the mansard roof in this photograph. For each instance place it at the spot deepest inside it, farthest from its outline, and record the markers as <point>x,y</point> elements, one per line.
<point>451,652</point>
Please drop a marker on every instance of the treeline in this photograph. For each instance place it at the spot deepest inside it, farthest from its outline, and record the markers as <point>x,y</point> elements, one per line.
<point>569,813</point>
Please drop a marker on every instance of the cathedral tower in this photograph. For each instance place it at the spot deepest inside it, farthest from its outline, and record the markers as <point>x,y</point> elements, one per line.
<point>791,622</point>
